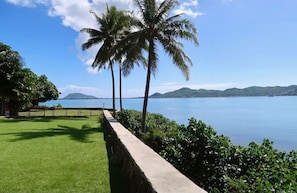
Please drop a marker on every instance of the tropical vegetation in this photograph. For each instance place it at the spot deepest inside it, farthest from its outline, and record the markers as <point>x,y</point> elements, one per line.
<point>211,160</point>
<point>20,87</point>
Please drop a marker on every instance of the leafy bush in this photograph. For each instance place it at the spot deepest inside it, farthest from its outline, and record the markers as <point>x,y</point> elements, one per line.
<point>267,170</point>
<point>158,127</point>
<point>211,160</point>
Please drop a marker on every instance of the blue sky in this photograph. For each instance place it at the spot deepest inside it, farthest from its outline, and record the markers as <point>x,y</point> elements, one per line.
<point>242,43</point>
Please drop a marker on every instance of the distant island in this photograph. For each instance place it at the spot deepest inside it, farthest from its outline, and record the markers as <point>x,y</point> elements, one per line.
<point>79,96</point>
<point>232,92</point>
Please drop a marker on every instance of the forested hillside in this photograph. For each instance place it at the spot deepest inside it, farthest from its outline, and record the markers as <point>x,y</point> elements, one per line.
<point>232,92</point>
<point>79,96</point>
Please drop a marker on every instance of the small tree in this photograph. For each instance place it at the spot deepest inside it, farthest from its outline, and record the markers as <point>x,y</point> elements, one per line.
<point>11,76</point>
<point>20,87</point>
<point>45,90</point>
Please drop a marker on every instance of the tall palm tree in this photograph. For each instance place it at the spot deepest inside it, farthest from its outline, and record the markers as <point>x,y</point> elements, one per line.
<point>157,27</point>
<point>112,25</point>
<point>127,53</point>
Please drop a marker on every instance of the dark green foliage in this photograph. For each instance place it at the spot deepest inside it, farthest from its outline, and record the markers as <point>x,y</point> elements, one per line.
<point>201,154</point>
<point>159,128</point>
<point>45,90</point>
<point>11,64</point>
<point>20,88</point>
<point>266,170</point>
<point>211,160</point>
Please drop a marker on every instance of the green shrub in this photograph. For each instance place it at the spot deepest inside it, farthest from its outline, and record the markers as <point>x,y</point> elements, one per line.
<point>158,127</point>
<point>267,170</point>
<point>211,160</point>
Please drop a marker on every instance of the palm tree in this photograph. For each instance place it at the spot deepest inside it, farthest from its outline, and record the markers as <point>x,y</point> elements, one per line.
<point>156,27</point>
<point>131,54</point>
<point>111,30</point>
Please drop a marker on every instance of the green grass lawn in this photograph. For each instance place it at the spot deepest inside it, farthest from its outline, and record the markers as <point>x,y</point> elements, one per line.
<point>53,155</point>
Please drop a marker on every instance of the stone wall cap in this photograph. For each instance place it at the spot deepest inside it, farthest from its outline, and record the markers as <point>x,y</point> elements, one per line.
<point>163,177</point>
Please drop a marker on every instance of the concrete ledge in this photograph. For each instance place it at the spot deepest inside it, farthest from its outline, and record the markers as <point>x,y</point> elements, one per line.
<point>146,170</point>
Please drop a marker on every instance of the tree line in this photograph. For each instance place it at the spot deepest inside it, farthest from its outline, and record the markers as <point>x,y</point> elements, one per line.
<point>232,92</point>
<point>20,88</point>
<point>125,38</point>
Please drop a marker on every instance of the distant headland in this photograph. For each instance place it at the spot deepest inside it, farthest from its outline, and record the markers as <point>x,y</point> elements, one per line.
<point>232,92</point>
<point>79,96</point>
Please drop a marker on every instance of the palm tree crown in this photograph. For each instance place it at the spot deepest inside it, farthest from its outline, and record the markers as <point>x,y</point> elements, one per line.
<point>112,27</point>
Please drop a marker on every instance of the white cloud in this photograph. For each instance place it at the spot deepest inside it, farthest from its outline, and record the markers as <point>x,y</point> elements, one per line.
<point>169,84</point>
<point>133,93</point>
<point>191,3</point>
<point>87,57</point>
<point>28,3</point>
<point>92,70</point>
<point>74,13</point>
<point>188,8</point>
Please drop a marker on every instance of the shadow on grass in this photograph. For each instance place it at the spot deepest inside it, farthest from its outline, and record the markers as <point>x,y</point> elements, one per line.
<point>40,119</point>
<point>80,135</point>
<point>117,180</point>
<point>22,119</point>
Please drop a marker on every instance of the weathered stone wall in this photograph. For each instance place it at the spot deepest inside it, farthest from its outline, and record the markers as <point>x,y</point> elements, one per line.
<point>143,170</point>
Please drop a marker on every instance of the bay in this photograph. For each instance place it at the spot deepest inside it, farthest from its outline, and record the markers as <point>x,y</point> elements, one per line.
<point>243,119</point>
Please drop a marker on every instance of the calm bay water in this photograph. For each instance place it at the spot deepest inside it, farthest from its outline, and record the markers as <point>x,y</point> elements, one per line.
<point>243,119</point>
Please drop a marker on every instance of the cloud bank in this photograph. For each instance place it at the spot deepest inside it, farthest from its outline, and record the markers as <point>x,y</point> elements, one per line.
<point>187,8</point>
<point>76,13</point>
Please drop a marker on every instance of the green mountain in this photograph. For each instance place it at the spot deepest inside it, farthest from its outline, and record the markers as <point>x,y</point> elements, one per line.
<point>79,96</point>
<point>232,92</point>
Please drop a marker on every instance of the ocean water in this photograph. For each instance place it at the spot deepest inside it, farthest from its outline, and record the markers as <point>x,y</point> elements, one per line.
<point>243,119</point>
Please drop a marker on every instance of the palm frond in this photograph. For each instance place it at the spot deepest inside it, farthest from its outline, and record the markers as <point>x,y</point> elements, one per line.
<point>175,50</point>
<point>95,37</point>
<point>112,27</point>
<point>183,29</point>
<point>98,19</point>
<point>164,10</point>
<point>130,49</point>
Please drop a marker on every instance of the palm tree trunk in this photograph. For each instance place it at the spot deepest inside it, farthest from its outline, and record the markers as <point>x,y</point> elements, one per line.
<point>145,101</point>
<point>113,90</point>
<point>147,86</point>
<point>121,102</point>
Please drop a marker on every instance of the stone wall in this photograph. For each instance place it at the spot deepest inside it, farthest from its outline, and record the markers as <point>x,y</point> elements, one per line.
<point>143,170</point>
